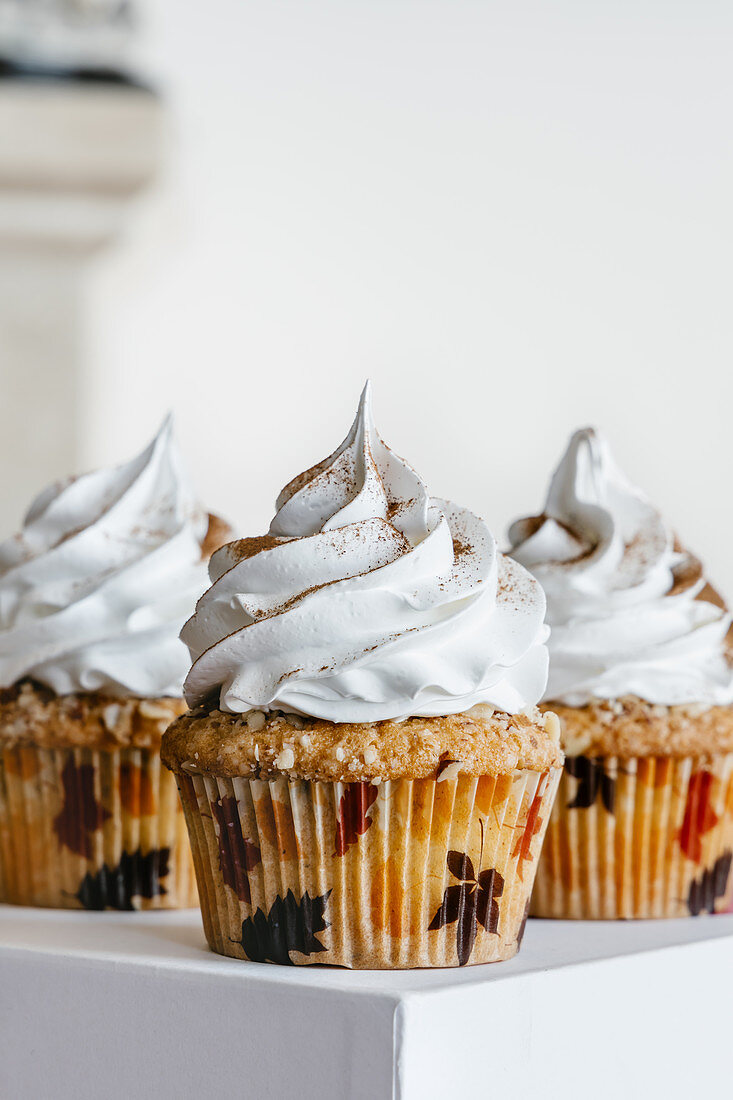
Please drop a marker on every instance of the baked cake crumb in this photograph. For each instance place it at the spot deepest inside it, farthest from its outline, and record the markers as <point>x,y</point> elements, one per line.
<point>31,714</point>
<point>473,743</point>
<point>630,726</point>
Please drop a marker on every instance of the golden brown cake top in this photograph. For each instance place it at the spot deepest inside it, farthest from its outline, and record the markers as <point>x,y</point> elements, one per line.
<point>632,727</point>
<point>217,535</point>
<point>259,745</point>
<point>31,714</point>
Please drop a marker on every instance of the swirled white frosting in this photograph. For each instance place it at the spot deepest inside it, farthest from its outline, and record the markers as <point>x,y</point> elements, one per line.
<point>95,587</point>
<point>368,600</point>
<point>626,607</point>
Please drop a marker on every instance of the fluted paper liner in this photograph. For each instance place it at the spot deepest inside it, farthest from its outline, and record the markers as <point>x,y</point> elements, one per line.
<point>81,828</point>
<point>640,837</point>
<point>406,873</point>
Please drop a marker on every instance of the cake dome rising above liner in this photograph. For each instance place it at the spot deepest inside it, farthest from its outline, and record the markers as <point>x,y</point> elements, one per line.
<point>368,600</point>
<point>95,587</point>
<point>629,610</point>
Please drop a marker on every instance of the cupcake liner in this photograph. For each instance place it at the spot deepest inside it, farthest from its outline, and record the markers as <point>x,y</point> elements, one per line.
<point>82,828</point>
<point>406,873</point>
<point>640,837</point>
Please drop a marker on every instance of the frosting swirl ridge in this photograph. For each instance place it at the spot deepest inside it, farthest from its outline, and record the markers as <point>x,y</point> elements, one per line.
<point>367,600</point>
<point>629,610</point>
<point>96,585</point>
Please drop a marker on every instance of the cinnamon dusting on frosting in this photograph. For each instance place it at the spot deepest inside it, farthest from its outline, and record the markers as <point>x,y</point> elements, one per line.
<point>241,549</point>
<point>634,615</point>
<point>96,586</point>
<point>383,596</point>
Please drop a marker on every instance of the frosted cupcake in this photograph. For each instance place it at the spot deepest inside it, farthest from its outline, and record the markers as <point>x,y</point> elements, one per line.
<point>365,775</point>
<point>93,592</point>
<point>641,677</point>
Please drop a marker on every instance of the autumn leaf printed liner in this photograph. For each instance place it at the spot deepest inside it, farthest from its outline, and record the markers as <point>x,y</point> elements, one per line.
<point>406,873</point>
<point>640,837</point>
<point>81,828</point>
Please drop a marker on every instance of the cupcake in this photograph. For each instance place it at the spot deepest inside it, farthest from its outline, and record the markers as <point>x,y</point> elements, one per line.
<point>642,680</point>
<point>93,592</point>
<point>364,772</point>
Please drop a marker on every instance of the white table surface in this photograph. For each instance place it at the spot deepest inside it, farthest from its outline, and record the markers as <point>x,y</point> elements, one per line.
<point>115,1005</point>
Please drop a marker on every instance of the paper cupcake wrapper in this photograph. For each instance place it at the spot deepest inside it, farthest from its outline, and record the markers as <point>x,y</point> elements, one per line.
<point>641,837</point>
<point>81,828</point>
<point>404,874</point>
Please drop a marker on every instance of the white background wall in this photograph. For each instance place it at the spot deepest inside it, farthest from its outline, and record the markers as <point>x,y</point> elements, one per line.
<point>515,217</point>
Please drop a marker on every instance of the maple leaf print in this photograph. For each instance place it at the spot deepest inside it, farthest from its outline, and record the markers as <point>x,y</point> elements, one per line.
<point>699,817</point>
<point>290,925</point>
<point>237,855</point>
<point>135,876</point>
<point>472,902</point>
<point>352,814</point>
<point>523,847</point>
<point>711,885</point>
<point>80,813</point>
<point>593,781</point>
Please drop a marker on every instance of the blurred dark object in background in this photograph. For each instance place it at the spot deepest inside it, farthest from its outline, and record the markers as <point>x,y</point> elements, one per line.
<point>80,40</point>
<point>80,136</point>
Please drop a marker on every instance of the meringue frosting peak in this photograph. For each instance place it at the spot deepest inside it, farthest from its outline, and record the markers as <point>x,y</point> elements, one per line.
<point>95,587</point>
<point>367,600</point>
<point>629,610</point>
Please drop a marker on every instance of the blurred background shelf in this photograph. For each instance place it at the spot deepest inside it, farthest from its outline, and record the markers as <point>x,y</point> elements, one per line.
<point>73,158</point>
<point>120,1005</point>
